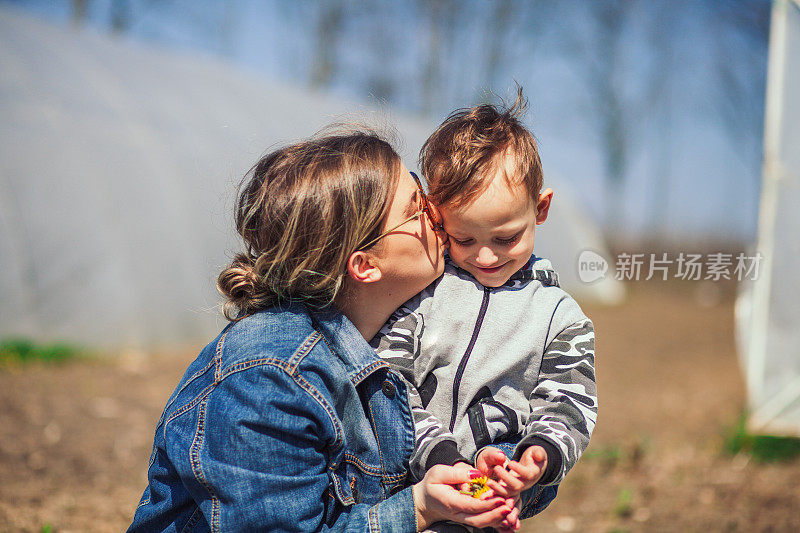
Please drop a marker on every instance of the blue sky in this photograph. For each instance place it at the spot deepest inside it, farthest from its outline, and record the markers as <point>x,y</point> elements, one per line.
<point>693,175</point>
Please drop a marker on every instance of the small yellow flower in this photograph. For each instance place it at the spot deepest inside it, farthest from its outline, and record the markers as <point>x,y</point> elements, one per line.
<point>477,493</point>
<point>477,486</point>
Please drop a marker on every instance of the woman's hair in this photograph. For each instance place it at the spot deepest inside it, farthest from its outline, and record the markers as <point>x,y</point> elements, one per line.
<point>462,154</point>
<point>302,210</point>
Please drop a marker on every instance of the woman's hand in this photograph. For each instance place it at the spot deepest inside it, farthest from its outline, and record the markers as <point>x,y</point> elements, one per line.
<point>437,498</point>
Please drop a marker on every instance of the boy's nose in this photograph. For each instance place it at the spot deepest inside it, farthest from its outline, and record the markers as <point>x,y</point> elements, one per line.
<point>486,257</point>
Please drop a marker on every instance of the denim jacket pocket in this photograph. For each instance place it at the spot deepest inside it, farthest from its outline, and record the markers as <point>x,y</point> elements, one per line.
<point>355,481</point>
<point>344,484</point>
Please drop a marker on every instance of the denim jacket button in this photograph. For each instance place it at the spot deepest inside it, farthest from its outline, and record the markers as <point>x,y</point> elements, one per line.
<point>388,389</point>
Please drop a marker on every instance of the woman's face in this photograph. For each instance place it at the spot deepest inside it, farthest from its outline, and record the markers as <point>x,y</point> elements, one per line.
<point>412,254</point>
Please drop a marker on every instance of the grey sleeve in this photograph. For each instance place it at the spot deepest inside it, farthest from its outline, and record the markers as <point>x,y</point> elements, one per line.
<point>398,344</point>
<point>564,401</point>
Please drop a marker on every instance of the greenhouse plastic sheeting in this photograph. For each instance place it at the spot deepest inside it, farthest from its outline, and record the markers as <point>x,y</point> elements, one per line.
<point>769,308</point>
<point>118,170</point>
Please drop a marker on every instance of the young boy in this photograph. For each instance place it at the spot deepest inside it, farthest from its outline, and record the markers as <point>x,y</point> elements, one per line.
<point>500,358</point>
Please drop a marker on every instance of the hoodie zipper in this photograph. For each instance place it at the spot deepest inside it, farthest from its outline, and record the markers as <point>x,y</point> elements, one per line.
<point>463,364</point>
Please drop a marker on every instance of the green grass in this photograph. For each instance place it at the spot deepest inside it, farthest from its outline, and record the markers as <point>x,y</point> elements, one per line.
<point>609,456</point>
<point>23,350</point>
<point>763,448</point>
<point>624,506</point>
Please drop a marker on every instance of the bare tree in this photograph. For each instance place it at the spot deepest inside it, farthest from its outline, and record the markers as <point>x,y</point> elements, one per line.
<point>732,92</point>
<point>121,16</point>
<point>227,29</point>
<point>730,52</point>
<point>440,17</point>
<point>497,27</point>
<point>664,27</point>
<point>741,39</point>
<point>79,10</point>
<point>326,37</point>
<point>602,59</point>
<point>380,29</point>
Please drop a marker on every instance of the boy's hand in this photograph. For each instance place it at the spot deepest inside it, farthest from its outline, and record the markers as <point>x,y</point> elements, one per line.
<point>531,465</point>
<point>488,458</point>
<point>518,476</point>
<point>509,484</point>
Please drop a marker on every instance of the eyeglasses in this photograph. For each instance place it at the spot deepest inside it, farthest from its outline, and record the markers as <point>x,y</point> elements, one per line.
<point>434,218</point>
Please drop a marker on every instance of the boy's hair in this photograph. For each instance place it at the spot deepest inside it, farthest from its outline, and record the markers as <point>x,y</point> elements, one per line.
<point>459,156</point>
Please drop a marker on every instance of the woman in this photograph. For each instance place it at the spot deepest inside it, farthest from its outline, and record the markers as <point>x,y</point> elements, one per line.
<point>287,420</point>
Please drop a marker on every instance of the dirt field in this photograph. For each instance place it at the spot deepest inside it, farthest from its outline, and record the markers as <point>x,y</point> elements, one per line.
<point>75,438</point>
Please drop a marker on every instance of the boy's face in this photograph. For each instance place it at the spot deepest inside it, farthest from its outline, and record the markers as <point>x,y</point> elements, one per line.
<point>492,237</point>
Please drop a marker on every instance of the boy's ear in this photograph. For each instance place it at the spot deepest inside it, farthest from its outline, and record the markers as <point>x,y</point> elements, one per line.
<point>543,205</point>
<point>361,267</point>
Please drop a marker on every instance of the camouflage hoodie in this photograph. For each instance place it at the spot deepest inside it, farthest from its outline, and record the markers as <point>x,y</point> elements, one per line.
<point>510,366</point>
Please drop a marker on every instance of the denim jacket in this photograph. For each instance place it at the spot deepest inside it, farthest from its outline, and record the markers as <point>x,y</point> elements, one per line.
<point>287,421</point>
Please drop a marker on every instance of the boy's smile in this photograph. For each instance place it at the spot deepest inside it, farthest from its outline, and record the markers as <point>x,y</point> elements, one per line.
<point>492,237</point>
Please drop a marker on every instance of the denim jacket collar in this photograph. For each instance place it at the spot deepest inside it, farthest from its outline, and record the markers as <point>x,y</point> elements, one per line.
<point>347,343</point>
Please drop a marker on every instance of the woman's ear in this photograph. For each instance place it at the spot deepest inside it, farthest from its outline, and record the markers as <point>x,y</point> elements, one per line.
<point>361,267</point>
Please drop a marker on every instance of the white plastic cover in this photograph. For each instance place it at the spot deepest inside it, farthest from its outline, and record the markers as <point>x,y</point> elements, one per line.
<point>768,312</point>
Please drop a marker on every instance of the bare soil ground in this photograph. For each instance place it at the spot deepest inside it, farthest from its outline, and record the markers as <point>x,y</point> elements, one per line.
<point>75,437</point>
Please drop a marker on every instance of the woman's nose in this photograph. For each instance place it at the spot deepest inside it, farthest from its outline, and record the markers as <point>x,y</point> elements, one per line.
<point>486,257</point>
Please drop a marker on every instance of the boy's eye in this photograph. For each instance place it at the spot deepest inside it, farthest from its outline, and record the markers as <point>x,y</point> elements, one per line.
<point>461,242</point>
<point>508,240</point>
